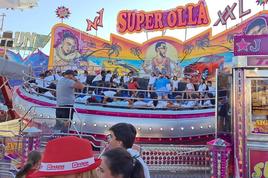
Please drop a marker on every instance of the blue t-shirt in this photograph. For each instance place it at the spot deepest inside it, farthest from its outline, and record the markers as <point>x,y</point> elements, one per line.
<point>161,83</point>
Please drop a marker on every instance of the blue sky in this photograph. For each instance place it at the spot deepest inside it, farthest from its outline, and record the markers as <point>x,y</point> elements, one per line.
<point>40,19</point>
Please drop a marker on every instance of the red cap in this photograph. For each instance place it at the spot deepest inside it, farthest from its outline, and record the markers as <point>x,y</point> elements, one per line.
<point>66,156</point>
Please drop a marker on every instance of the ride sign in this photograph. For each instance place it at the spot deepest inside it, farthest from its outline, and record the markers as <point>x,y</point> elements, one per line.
<point>258,163</point>
<point>250,45</point>
<point>191,15</point>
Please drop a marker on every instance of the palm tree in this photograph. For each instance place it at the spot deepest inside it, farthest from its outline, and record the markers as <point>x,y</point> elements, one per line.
<point>110,48</point>
<point>136,51</point>
<point>187,50</point>
<point>205,43</point>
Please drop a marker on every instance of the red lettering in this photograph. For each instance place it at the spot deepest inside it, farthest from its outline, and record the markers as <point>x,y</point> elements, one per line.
<point>172,19</point>
<point>139,21</point>
<point>182,22</point>
<point>122,22</point>
<point>158,24</point>
<point>149,21</point>
<point>191,21</point>
<point>203,15</point>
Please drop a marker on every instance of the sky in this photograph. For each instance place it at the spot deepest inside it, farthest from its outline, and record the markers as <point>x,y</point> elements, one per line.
<point>40,19</point>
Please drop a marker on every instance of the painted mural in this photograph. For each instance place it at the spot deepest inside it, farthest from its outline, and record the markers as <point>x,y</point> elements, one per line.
<point>196,58</point>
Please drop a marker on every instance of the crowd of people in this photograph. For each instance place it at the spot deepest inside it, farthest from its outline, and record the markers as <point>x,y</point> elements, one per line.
<point>77,159</point>
<point>109,88</point>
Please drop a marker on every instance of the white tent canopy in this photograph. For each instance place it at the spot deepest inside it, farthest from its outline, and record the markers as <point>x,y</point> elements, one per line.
<point>18,4</point>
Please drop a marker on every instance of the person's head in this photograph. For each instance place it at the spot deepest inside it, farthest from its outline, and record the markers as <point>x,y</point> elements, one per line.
<point>257,27</point>
<point>109,72</point>
<point>33,160</point>
<point>188,80</point>
<point>203,81</point>
<point>68,157</point>
<point>175,78</point>
<point>42,75</point>
<point>118,163</point>
<point>160,75</point>
<point>69,43</point>
<point>103,73</point>
<point>85,72</point>
<point>75,72</point>
<point>209,83</point>
<point>69,74</point>
<point>122,135</point>
<point>161,48</point>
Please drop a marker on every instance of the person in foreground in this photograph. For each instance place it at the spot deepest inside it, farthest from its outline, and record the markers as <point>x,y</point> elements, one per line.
<point>32,164</point>
<point>68,157</point>
<point>118,163</point>
<point>123,135</point>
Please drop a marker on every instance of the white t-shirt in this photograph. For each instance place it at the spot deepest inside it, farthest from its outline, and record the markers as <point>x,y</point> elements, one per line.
<point>97,78</point>
<point>202,87</point>
<point>212,90</point>
<point>40,82</point>
<point>190,86</point>
<point>82,78</point>
<point>48,93</point>
<point>139,103</point>
<point>162,104</point>
<point>126,79</point>
<point>49,80</point>
<point>109,93</point>
<point>116,80</point>
<point>152,80</point>
<point>108,77</point>
<point>175,84</point>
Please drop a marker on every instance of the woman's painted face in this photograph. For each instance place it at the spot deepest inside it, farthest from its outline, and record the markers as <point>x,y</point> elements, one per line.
<point>103,170</point>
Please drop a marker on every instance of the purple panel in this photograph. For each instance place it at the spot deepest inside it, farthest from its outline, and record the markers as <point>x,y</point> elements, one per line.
<point>250,45</point>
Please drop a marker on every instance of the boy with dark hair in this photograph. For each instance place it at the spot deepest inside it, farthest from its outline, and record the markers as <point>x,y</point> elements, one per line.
<point>123,135</point>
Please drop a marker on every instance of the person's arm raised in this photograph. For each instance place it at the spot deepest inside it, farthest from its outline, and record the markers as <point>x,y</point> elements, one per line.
<point>78,84</point>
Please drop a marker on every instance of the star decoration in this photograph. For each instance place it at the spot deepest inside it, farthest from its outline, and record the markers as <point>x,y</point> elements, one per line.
<point>63,12</point>
<point>261,2</point>
<point>243,45</point>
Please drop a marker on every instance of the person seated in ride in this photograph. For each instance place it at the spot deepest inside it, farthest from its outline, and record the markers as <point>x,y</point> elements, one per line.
<point>122,135</point>
<point>108,76</point>
<point>117,101</point>
<point>68,157</point>
<point>118,163</point>
<point>115,80</point>
<point>175,83</point>
<point>202,88</point>
<point>156,103</point>
<point>140,101</point>
<point>133,86</point>
<point>40,83</point>
<point>189,88</point>
<point>151,82</point>
<point>51,93</point>
<point>32,165</point>
<point>98,78</point>
<point>127,78</point>
<point>83,77</point>
<point>208,98</point>
<point>192,103</point>
<point>211,89</point>
<point>160,86</point>
<point>50,78</point>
